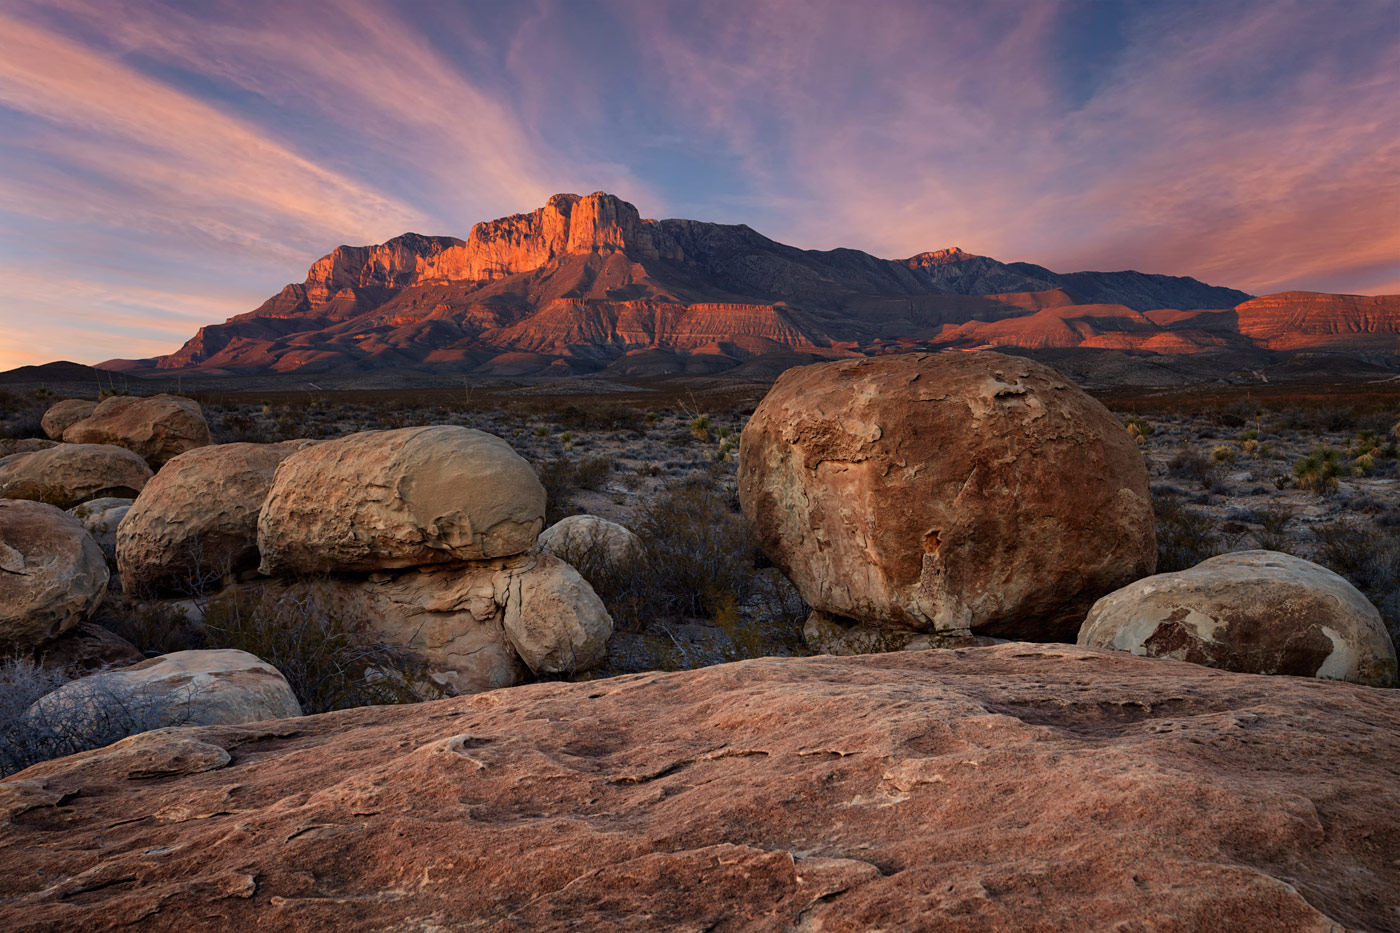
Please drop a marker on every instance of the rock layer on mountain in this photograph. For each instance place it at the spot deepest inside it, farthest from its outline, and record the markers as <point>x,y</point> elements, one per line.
<point>585,284</point>
<point>1015,787</point>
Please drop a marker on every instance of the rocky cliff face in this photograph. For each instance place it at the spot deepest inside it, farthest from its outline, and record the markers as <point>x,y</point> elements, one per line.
<point>584,282</point>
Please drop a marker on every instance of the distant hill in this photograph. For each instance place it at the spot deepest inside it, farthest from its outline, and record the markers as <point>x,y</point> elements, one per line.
<point>585,285</point>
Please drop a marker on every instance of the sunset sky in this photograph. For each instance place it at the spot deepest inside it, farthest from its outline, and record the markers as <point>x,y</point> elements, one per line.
<point>167,165</point>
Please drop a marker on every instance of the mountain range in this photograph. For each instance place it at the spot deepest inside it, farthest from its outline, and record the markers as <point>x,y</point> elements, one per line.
<point>584,284</point>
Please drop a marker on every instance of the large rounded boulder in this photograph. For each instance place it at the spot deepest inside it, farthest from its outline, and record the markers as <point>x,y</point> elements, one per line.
<point>403,498</point>
<point>1256,612</point>
<point>197,519</point>
<point>947,492</point>
<point>157,428</point>
<point>222,687</point>
<point>63,415</point>
<point>588,537</point>
<point>52,574</point>
<point>69,474</point>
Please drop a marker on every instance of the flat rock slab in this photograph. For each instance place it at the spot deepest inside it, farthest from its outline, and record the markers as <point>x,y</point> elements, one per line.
<point>1013,787</point>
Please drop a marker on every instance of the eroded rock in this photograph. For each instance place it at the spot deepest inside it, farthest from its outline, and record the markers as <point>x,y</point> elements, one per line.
<point>70,474</point>
<point>157,427</point>
<point>52,575</point>
<point>100,517</point>
<point>597,538</point>
<point>948,492</point>
<point>1258,612</point>
<point>383,500</point>
<point>1015,787</point>
<point>197,519</point>
<point>63,415</point>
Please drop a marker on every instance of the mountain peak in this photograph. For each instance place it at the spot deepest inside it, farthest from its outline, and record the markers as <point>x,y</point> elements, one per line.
<point>941,257</point>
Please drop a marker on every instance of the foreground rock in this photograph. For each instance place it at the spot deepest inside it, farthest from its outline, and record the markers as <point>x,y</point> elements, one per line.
<point>946,492</point>
<point>23,445</point>
<point>63,415</point>
<point>157,428</point>
<point>1019,787</point>
<point>100,518</point>
<point>1259,612</point>
<point>70,474</point>
<point>197,519</point>
<point>201,688</point>
<point>52,574</point>
<point>382,500</point>
<point>580,536</point>
<point>476,626</point>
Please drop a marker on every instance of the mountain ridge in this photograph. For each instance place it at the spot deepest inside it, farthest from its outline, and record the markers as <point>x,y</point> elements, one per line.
<point>584,284</point>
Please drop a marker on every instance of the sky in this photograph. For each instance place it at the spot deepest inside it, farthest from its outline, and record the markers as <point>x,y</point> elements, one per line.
<point>168,165</point>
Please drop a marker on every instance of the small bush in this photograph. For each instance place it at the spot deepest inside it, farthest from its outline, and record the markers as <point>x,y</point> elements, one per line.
<point>1185,537</point>
<point>1318,471</point>
<point>1189,463</point>
<point>93,712</point>
<point>562,478</point>
<point>1273,521</point>
<point>303,634</point>
<point>1222,454</point>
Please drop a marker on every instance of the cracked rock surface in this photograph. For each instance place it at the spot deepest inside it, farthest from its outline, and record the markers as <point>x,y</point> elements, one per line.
<point>1019,786</point>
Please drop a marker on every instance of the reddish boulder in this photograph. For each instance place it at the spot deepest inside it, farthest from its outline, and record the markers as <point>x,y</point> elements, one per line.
<point>63,415</point>
<point>66,475</point>
<point>52,574</point>
<point>946,492</point>
<point>157,427</point>
<point>1016,787</point>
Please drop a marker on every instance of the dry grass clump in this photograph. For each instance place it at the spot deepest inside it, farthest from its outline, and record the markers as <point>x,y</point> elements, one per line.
<point>562,478</point>
<point>1185,536</point>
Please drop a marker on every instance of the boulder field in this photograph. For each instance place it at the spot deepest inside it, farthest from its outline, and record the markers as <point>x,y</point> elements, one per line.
<point>1014,787</point>
<point>157,427</point>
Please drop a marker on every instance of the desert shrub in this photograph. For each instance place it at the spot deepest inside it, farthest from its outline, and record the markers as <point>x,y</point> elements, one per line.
<point>1185,537</point>
<point>328,664</point>
<point>95,712</point>
<point>700,427</point>
<point>1189,463</point>
<point>21,415</point>
<point>1367,554</point>
<point>1318,471</point>
<point>1139,429</point>
<point>1224,453</point>
<point>154,627</point>
<point>695,560</point>
<point>562,478</point>
<point>1273,523</point>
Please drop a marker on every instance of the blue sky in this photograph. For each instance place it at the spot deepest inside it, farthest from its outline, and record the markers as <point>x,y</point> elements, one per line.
<point>164,165</point>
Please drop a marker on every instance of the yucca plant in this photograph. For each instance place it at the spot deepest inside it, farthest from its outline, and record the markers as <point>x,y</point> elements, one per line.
<point>1318,471</point>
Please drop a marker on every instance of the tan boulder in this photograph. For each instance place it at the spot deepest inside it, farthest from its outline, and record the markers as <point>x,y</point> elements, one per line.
<point>52,575</point>
<point>390,499</point>
<point>63,415</point>
<point>100,518</point>
<point>195,688</point>
<point>947,492</point>
<point>589,535</point>
<point>1017,787</point>
<point>556,622</point>
<point>69,474</point>
<point>1257,612</point>
<point>157,427</point>
<point>197,519</point>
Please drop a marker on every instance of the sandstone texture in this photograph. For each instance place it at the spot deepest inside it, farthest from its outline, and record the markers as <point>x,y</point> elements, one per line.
<point>52,575</point>
<point>63,415</point>
<point>157,427</point>
<point>389,499</point>
<point>200,688</point>
<point>1017,787</point>
<point>1258,612</point>
<point>946,493</point>
<point>23,445</point>
<point>472,624</point>
<point>598,537</point>
<point>70,474</point>
<point>197,519</point>
<point>100,518</point>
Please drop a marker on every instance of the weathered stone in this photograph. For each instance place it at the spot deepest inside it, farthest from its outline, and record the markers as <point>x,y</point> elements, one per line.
<point>1017,787</point>
<point>87,648</point>
<point>382,500</point>
<point>556,622</point>
<point>597,537</point>
<point>197,519</point>
<point>70,474</point>
<point>826,634</point>
<point>1258,612</point>
<point>52,575</point>
<point>62,415</point>
<point>200,688</point>
<point>157,427</point>
<point>23,445</point>
<point>946,492</point>
<point>100,518</point>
